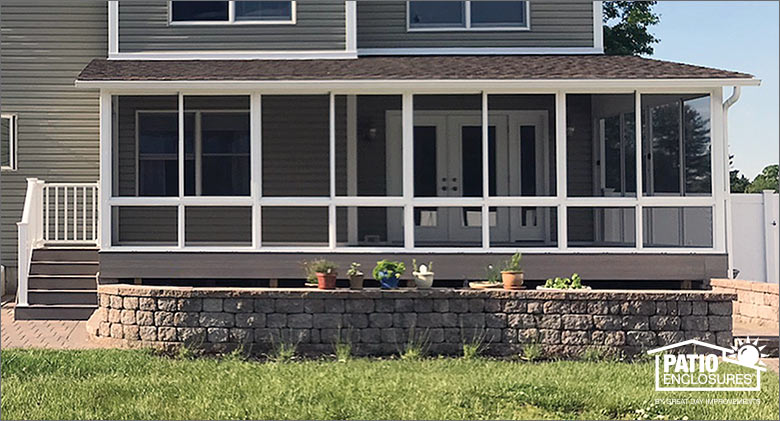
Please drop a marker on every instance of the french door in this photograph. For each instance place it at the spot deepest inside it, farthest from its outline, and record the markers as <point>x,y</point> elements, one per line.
<point>448,163</point>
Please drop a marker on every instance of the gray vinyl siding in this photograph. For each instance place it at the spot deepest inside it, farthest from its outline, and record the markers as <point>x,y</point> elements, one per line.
<point>144,27</point>
<point>43,47</point>
<point>553,23</point>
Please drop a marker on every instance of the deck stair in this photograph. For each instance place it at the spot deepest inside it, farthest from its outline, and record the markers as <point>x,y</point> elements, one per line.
<point>62,284</point>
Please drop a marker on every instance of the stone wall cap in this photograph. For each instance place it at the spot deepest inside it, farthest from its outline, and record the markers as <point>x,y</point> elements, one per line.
<point>226,292</point>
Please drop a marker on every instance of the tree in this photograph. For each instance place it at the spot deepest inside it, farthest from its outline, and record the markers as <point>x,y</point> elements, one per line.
<point>738,181</point>
<point>767,180</point>
<point>630,35</point>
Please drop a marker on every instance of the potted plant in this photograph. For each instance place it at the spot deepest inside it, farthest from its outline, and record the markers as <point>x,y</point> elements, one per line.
<point>512,274</point>
<point>492,279</point>
<point>323,271</point>
<point>355,276</point>
<point>388,273</point>
<point>423,276</point>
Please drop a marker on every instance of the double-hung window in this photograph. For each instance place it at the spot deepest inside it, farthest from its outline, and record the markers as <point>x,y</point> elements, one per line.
<point>204,12</point>
<point>459,15</point>
<point>8,142</point>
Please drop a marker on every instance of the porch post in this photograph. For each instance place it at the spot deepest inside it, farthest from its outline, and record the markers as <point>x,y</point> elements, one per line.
<point>407,125</point>
<point>332,159</point>
<point>180,219</point>
<point>560,167</point>
<point>638,217</point>
<point>104,194</point>
<point>352,167</point>
<point>719,162</point>
<point>485,174</point>
<point>256,171</point>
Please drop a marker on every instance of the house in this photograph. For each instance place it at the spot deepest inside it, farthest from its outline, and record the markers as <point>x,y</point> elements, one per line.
<point>226,141</point>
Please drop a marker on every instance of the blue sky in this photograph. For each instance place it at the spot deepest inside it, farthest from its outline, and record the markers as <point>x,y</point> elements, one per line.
<point>732,35</point>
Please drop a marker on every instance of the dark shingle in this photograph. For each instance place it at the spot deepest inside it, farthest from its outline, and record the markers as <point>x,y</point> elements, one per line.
<point>505,67</point>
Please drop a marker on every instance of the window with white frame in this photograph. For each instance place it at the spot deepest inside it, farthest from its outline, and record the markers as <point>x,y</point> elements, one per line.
<point>447,15</point>
<point>232,12</point>
<point>8,142</point>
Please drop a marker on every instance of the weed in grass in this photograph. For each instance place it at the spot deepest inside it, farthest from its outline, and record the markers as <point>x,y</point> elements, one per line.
<point>284,352</point>
<point>186,353</point>
<point>416,346</point>
<point>473,347</point>
<point>532,352</point>
<point>342,348</point>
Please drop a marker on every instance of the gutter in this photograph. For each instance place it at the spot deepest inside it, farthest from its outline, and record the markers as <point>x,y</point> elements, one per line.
<point>728,103</point>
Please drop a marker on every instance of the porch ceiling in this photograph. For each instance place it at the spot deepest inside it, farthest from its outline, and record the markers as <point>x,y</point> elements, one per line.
<point>400,68</point>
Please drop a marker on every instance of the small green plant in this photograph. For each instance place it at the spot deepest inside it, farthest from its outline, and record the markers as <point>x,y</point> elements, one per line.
<point>283,353</point>
<point>532,352</point>
<point>416,346</point>
<point>387,268</point>
<point>513,264</point>
<point>415,268</point>
<point>493,274</point>
<point>343,350</point>
<point>312,268</point>
<point>354,269</point>
<point>575,282</point>
<point>593,354</point>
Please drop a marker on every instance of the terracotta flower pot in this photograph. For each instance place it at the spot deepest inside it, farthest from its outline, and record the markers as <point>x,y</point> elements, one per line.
<point>512,280</point>
<point>326,280</point>
<point>356,282</point>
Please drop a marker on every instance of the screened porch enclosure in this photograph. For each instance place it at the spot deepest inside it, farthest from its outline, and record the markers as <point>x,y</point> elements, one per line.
<point>481,172</point>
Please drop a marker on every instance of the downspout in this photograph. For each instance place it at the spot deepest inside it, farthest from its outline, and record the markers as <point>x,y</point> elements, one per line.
<point>729,229</point>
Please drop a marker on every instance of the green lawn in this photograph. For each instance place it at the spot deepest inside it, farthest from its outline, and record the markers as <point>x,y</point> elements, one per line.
<point>113,384</point>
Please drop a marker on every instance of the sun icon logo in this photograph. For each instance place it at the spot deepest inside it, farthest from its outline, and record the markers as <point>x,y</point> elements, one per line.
<point>748,353</point>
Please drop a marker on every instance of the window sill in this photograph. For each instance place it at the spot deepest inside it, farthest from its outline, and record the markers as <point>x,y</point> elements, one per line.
<point>236,23</point>
<point>477,29</point>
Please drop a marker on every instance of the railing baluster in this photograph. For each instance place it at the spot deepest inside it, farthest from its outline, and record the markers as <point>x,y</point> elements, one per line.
<point>46,207</point>
<point>84,213</point>
<point>65,213</point>
<point>75,214</point>
<point>56,213</point>
<point>94,213</point>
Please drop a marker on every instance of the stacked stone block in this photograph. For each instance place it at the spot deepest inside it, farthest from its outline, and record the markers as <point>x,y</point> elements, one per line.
<point>382,322</point>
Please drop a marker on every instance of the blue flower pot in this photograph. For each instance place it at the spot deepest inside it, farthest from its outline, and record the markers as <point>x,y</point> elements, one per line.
<point>388,281</point>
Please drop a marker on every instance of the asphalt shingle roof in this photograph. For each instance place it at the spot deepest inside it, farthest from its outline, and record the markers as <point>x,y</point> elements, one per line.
<point>450,67</point>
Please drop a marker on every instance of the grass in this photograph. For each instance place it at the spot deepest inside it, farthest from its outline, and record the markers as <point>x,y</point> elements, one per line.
<point>116,384</point>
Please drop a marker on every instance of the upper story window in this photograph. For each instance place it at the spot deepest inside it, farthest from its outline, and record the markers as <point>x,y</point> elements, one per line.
<point>8,142</point>
<point>206,12</point>
<point>464,15</point>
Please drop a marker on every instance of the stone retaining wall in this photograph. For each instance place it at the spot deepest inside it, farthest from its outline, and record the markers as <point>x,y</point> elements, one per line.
<point>756,303</point>
<point>379,322</point>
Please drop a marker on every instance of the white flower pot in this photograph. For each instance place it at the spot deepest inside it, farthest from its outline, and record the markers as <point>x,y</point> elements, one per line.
<point>423,280</point>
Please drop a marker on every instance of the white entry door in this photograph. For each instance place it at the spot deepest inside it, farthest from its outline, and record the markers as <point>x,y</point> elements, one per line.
<point>448,163</point>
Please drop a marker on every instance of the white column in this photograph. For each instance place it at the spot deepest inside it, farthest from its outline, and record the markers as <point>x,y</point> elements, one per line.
<point>407,124</point>
<point>113,28</point>
<point>256,171</point>
<point>180,218</point>
<point>560,167</point>
<point>485,174</point>
<point>638,217</point>
<point>332,159</point>
<point>719,168</point>
<point>104,210</point>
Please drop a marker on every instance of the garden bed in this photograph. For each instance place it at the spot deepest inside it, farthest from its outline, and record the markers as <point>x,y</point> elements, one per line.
<point>379,322</point>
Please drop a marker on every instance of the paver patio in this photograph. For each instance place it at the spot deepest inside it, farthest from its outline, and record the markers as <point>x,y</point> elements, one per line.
<point>54,334</point>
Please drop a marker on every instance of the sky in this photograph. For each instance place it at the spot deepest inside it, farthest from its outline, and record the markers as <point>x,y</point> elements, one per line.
<point>732,35</point>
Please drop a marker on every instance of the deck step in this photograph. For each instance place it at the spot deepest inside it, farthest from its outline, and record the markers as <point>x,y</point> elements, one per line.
<point>62,296</point>
<point>75,282</point>
<point>66,254</point>
<point>54,312</point>
<point>38,267</point>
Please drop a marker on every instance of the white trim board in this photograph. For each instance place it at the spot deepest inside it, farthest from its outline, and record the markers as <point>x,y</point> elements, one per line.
<point>477,51</point>
<point>237,55</point>
<point>419,86</point>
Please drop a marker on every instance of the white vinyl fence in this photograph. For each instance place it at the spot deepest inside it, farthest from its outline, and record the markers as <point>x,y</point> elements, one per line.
<point>754,245</point>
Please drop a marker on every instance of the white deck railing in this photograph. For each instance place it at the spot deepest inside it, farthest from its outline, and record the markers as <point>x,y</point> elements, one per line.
<point>55,213</point>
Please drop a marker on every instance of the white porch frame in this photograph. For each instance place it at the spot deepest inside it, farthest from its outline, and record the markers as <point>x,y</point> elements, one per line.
<point>407,90</point>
